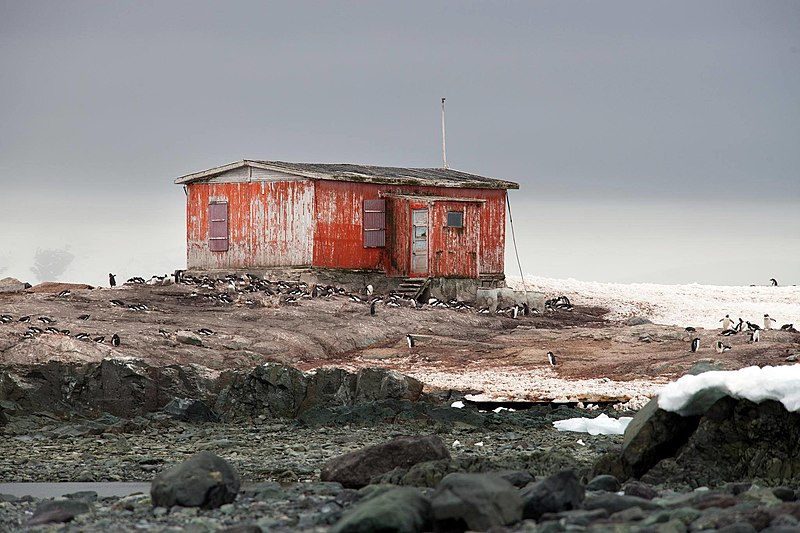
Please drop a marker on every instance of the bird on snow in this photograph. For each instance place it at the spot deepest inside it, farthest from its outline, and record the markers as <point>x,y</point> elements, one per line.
<point>551,358</point>
<point>774,282</point>
<point>695,344</point>
<point>112,280</point>
<point>768,320</point>
<point>115,340</point>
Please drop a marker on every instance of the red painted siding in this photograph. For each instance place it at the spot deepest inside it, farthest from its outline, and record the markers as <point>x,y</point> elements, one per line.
<point>320,223</point>
<point>269,224</point>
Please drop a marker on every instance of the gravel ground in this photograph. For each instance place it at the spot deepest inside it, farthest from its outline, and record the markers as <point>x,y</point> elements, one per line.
<point>282,456</point>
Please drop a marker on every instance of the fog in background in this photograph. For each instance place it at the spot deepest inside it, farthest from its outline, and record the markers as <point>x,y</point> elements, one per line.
<point>652,141</point>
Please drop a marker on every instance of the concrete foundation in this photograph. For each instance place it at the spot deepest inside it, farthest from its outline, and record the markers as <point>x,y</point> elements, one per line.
<point>462,289</point>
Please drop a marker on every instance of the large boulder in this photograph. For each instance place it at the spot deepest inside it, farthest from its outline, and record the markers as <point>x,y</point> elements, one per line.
<point>204,480</point>
<point>399,510</point>
<point>734,440</point>
<point>13,285</point>
<point>270,389</point>
<point>357,468</point>
<point>560,492</point>
<point>380,384</point>
<point>475,502</point>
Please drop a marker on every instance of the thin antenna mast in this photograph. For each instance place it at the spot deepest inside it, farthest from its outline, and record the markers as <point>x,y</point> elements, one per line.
<point>444,144</point>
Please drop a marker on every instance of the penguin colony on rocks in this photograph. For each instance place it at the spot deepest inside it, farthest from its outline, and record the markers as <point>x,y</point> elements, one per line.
<point>237,290</point>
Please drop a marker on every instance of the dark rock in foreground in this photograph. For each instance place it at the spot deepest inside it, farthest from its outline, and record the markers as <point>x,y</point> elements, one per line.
<point>560,492</point>
<point>204,480</point>
<point>357,468</point>
<point>475,502</point>
<point>399,510</point>
<point>735,440</point>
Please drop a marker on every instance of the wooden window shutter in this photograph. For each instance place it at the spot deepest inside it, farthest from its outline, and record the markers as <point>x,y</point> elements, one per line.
<point>218,226</point>
<point>375,223</point>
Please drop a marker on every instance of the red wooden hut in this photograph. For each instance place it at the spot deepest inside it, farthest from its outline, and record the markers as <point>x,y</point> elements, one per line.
<point>395,222</point>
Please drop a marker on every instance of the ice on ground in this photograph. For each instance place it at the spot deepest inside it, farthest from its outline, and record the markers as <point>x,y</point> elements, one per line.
<point>684,305</point>
<point>693,395</point>
<point>600,425</point>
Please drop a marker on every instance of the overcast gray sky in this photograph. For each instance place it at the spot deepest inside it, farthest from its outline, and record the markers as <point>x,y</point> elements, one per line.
<point>653,141</point>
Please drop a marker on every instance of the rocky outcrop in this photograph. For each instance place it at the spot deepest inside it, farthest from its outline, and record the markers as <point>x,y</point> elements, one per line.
<point>734,440</point>
<point>131,387</point>
<point>400,510</point>
<point>13,285</point>
<point>204,480</point>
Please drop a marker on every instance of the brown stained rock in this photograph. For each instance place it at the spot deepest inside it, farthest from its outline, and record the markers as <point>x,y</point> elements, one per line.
<point>355,469</point>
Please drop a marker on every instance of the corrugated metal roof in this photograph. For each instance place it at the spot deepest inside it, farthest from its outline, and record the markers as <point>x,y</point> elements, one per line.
<point>438,177</point>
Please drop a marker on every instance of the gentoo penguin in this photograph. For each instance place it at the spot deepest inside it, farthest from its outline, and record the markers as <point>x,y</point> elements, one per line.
<point>410,340</point>
<point>164,333</point>
<point>205,331</point>
<point>755,336</point>
<point>739,326</point>
<point>728,332</point>
<point>112,280</point>
<point>690,329</point>
<point>768,321</point>
<point>551,357</point>
<point>720,348</point>
<point>26,318</point>
<point>372,307</point>
<point>726,322</point>
<point>83,317</point>
<point>695,344</point>
<point>751,326</point>
<point>526,310</point>
<point>115,340</point>
<point>369,290</point>
<point>774,282</point>
<point>99,340</point>
<point>46,320</point>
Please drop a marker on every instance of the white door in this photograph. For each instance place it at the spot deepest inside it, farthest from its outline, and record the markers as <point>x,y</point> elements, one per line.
<point>419,241</point>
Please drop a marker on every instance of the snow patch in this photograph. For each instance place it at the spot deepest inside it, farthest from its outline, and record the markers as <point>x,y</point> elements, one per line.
<point>600,425</point>
<point>682,305</point>
<point>693,395</point>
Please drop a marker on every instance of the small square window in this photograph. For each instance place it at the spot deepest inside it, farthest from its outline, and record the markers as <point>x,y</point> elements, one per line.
<point>455,219</point>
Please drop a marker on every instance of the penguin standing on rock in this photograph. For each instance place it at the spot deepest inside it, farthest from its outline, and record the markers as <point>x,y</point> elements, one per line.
<point>410,341</point>
<point>115,340</point>
<point>768,320</point>
<point>726,322</point>
<point>112,280</point>
<point>551,358</point>
<point>695,344</point>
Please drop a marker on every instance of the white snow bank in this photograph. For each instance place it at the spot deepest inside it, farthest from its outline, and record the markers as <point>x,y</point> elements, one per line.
<point>600,425</point>
<point>692,395</point>
<point>683,305</point>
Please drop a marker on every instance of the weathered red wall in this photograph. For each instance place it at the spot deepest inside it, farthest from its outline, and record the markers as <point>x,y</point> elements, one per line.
<point>269,224</point>
<point>319,223</point>
<point>338,236</point>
